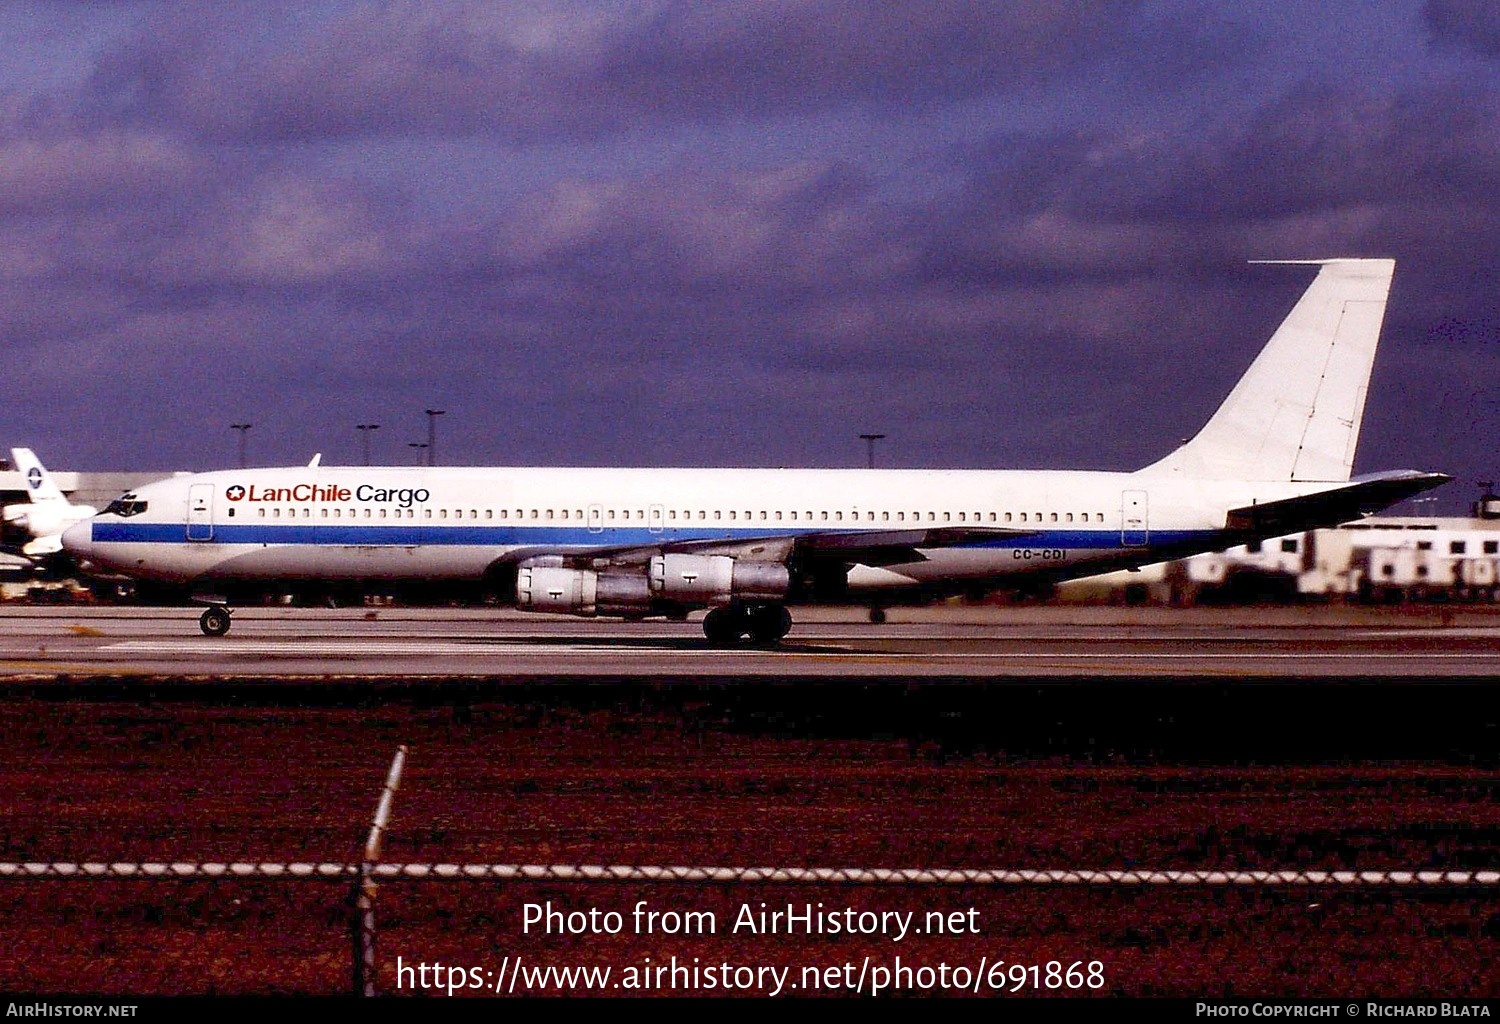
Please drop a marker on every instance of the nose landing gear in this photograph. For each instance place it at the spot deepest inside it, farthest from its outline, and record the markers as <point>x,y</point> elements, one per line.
<point>214,621</point>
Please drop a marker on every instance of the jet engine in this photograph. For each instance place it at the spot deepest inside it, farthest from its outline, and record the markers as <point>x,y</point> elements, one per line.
<point>664,583</point>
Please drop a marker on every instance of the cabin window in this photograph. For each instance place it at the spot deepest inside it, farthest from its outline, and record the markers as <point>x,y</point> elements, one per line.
<point>1007,517</point>
<point>426,513</point>
<point>885,517</point>
<point>702,514</point>
<point>1289,546</point>
<point>1253,547</point>
<point>731,513</point>
<point>794,514</point>
<point>672,514</point>
<point>441,515</point>
<point>262,513</point>
<point>778,517</point>
<point>763,515</point>
<point>473,513</point>
<point>871,515</point>
<point>947,517</point>
<point>549,513</point>
<point>1424,545</point>
<point>718,514</point>
<point>611,513</point>
<point>839,516</point>
<point>367,513</point>
<point>275,513</point>
<point>1070,517</point>
<point>1457,547</point>
<point>382,513</point>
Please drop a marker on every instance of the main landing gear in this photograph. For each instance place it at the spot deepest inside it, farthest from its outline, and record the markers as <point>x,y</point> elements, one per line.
<point>215,621</point>
<point>762,623</point>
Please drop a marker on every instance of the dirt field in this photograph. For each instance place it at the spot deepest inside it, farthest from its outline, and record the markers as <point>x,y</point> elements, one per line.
<point>694,775</point>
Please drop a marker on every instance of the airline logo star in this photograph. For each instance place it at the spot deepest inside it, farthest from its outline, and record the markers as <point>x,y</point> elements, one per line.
<point>234,492</point>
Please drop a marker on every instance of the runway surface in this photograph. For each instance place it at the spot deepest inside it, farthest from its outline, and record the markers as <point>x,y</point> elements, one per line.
<point>969,643</point>
<point>972,738</point>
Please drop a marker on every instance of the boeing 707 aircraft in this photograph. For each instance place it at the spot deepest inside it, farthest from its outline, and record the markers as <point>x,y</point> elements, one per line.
<point>748,543</point>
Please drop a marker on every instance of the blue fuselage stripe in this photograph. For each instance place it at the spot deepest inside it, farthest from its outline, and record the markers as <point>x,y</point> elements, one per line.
<point>338,535</point>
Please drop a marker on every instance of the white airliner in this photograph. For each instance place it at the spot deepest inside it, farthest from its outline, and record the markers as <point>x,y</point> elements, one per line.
<point>746,543</point>
<point>48,513</point>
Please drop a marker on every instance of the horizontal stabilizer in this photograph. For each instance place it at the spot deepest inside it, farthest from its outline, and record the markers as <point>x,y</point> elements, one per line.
<point>1358,498</point>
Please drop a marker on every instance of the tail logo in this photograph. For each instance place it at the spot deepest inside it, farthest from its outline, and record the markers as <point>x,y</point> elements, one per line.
<point>34,477</point>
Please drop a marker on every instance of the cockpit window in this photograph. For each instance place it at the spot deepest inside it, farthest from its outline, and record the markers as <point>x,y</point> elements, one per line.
<point>129,505</point>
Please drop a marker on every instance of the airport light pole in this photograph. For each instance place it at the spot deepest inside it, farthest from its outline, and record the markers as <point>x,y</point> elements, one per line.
<point>418,445</point>
<point>244,429</point>
<point>364,435</point>
<point>870,440</point>
<point>432,415</point>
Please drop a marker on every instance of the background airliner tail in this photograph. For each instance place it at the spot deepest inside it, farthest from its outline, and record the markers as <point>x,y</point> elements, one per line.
<point>1295,415</point>
<point>39,483</point>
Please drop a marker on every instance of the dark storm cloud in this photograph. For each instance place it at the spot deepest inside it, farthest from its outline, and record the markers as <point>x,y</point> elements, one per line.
<point>1471,23</point>
<point>1006,234</point>
<point>548,71</point>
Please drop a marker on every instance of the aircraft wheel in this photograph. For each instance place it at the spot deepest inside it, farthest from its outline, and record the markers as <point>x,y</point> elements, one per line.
<point>723,627</point>
<point>215,621</point>
<point>769,623</point>
<point>877,616</point>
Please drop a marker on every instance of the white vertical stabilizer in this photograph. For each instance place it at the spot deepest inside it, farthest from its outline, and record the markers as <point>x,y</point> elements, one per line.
<point>39,483</point>
<point>1296,412</point>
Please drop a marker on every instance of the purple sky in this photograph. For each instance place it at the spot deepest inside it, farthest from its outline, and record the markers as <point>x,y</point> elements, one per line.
<point>1008,235</point>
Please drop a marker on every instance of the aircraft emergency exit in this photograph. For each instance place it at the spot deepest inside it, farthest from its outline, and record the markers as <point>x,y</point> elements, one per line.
<point>748,543</point>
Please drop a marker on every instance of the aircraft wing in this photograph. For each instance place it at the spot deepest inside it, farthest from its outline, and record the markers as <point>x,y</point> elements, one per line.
<point>865,547</point>
<point>892,547</point>
<point>1361,496</point>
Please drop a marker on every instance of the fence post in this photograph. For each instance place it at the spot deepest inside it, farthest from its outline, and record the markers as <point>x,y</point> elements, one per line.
<point>364,884</point>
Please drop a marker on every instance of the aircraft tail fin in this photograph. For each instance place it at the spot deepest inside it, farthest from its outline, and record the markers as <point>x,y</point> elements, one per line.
<point>1295,414</point>
<point>39,483</point>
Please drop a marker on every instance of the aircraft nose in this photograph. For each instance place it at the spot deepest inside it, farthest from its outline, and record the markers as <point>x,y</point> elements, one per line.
<point>78,540</point>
